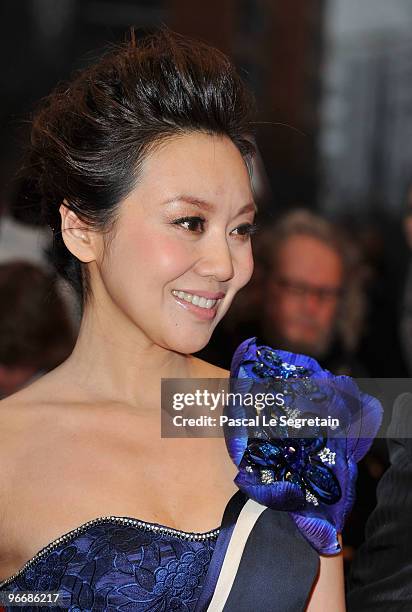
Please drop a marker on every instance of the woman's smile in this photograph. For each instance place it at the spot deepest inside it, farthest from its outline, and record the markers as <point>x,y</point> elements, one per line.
<point>203,307</point>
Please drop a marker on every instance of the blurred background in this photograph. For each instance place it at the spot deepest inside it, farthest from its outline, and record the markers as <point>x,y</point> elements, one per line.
<point>333,180</point>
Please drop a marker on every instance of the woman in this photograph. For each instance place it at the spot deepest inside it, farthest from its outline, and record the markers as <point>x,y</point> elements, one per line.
<point>142,166</point>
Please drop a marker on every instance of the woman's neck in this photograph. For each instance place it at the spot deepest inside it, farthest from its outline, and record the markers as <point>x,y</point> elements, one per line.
<point>119,363</point>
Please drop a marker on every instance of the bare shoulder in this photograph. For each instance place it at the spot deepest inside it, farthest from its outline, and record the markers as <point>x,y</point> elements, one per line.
<point>13,419</point>
<point>20,420</point>
<point>25,415</point>
<point>16,428</point>
<point>23,406</point>
<point>29,430</point>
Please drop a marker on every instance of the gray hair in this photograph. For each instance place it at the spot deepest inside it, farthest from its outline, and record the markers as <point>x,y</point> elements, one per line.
<point>300,222</point>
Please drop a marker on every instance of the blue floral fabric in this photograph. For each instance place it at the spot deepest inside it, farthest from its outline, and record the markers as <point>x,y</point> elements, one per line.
<point>309,470</point>
<point>118,568</point>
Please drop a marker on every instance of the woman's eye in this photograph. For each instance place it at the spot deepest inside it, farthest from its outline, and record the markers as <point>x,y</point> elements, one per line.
<point>247,229</point>
<point>196,224</point>
<point>190,223</point>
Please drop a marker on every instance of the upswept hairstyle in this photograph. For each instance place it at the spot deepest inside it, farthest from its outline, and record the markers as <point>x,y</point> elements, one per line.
<point>90,136</point>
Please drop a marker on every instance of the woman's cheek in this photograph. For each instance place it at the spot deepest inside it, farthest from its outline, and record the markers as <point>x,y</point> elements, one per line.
<point>173,258</point>
<point>245,267</point>
<point>154,253</point>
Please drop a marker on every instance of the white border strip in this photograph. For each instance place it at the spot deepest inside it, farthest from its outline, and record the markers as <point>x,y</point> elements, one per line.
<point>244,525</point>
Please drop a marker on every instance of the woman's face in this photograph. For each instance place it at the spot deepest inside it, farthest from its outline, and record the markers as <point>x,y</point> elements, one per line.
<point>184,228</point>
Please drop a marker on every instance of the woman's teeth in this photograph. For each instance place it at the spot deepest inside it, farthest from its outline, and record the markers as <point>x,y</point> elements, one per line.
<point>196,300</point>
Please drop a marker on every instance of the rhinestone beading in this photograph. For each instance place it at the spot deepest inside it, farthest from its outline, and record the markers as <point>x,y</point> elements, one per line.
<point>146,526</point>
<point>266,476</point>
<point>327,456</point>
<point>312,499</point>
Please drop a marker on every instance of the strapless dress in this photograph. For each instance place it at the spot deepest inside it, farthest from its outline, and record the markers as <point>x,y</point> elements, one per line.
<point>293,496</point>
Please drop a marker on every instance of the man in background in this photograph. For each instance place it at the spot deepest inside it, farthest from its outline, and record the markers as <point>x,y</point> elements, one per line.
<point>304,287</point>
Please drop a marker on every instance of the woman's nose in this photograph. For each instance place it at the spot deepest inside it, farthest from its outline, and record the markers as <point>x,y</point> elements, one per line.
<point>217,261</point>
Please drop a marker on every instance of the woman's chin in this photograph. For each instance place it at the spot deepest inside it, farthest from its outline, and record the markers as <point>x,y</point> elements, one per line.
<point>189,345</point>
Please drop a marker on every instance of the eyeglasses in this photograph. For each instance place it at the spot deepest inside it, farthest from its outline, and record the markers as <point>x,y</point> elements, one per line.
<point>299,289</point>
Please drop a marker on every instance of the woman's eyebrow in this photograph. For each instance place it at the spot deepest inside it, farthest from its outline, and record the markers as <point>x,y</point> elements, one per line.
<point>251,206</point>
<point>209,206</point>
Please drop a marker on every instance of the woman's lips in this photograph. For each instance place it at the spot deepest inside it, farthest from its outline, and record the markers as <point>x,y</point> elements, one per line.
<point>206,314</point>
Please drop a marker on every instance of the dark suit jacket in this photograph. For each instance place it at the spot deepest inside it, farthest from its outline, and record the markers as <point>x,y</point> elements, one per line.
<point>381,574</point>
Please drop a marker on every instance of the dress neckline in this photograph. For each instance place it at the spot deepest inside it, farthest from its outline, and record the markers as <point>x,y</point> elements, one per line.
<point>126,521</point>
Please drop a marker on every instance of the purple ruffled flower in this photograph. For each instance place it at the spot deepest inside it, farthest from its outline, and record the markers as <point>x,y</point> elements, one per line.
<point>310,472</point>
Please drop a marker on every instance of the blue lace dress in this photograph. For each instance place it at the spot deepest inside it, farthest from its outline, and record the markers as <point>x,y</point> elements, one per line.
<point>294,494</point>
<point>119,563</point>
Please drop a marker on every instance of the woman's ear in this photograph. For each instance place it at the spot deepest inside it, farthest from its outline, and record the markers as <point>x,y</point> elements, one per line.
<point>77,237</point>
